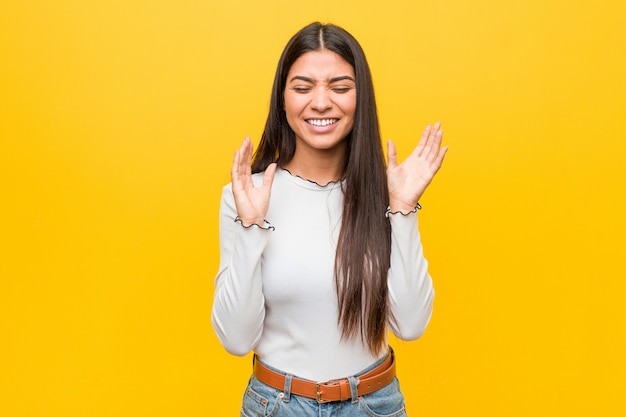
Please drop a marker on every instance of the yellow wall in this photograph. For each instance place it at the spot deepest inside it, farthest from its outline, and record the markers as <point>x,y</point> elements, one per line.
<point>118,121</point>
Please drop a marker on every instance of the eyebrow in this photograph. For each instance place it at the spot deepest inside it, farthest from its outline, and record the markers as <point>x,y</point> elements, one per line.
<point>332,80</point>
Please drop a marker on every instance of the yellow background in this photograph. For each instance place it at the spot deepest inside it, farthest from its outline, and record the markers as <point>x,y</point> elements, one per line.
<point>118,122</point>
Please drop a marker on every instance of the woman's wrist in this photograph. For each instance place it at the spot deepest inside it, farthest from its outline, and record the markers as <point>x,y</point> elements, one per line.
<point>250,222</point>
<point>402,207</point>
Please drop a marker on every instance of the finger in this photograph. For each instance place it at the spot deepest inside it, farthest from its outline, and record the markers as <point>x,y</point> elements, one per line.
<point>433,131</point>
<point>392,155</point>
<point>234,170</point>
<point>438,161</point>
<point>246,148</point>
<point>240,164</point>
<point>435,145</point>
<point>423,141</point>
<point>440,156</point>
<point>245,155</point>
<point>268,176</point>
<point>430,141</point>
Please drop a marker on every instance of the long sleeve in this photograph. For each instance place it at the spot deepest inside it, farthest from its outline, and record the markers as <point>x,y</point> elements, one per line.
<point>239,305</point>
<point>410,286</point>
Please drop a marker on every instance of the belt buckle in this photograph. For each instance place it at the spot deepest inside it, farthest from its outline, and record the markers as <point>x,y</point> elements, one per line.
<point>318,394</point>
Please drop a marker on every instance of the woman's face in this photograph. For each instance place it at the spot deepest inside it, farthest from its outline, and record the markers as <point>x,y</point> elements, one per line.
<point>320,101</point>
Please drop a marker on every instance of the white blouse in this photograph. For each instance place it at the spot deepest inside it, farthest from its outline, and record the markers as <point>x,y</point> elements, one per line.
<point>275,288</point>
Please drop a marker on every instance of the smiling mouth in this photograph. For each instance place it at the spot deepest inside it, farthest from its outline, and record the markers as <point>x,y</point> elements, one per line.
<point>322,122</point>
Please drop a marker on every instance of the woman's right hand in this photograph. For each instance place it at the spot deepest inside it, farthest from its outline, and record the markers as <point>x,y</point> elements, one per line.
<point>252,202</point>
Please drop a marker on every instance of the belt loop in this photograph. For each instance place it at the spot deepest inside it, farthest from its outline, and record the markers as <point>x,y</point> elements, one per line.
<point>354,383</point>
<point>287,388</point>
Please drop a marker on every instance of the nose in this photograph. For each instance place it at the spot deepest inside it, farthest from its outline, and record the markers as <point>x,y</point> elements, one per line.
<point>321,99</point>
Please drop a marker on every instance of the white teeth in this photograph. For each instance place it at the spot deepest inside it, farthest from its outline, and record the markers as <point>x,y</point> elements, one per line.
<point>322,122</point>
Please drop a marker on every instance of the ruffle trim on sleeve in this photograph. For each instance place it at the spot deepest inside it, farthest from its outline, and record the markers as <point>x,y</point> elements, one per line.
<point>266,225</point>
<point>388,212</point>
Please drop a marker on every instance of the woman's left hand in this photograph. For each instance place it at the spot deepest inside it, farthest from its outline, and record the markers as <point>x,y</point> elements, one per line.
<point>408,181</point>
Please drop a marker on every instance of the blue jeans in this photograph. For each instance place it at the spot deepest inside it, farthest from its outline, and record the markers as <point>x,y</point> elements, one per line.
<point>261,400</point>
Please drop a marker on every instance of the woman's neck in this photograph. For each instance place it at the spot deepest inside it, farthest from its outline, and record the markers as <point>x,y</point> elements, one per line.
<point>319,170</point>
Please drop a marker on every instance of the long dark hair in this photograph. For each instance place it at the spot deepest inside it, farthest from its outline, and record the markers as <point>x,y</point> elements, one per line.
<point>364,246</point>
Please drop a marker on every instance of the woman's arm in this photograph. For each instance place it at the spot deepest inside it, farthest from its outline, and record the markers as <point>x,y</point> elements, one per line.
<point>410,286</point>
<point>239,305</point>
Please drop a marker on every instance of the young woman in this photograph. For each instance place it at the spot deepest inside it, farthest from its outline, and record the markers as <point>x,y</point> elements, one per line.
<point>320,251</point>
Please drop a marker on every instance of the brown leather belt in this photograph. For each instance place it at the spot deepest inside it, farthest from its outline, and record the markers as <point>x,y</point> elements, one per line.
<point>335,390</point>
